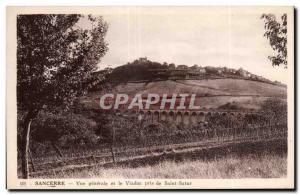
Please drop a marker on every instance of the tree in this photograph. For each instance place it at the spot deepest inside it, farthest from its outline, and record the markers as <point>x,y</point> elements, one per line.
<point>55,59</point>
<point>276,32</point>
<point>274,110</point>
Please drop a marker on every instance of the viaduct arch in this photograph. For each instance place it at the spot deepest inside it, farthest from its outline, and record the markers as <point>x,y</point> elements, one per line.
<point>185,117</point>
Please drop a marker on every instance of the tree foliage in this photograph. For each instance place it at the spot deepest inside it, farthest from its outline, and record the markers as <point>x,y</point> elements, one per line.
<point>56,54</point>
<point>276,33</point>
<point>136,70</point>
<point>55,58</point>
<point>274,110</point>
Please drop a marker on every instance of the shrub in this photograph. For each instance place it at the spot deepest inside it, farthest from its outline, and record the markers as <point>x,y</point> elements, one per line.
<point>64,130</point>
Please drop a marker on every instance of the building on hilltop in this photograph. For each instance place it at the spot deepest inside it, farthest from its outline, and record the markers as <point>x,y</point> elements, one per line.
<point>182,67</point>
<point>142,60</point>
<point>243,73</point>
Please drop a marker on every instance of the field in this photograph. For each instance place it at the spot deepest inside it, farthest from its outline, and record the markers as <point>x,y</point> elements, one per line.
<point>213,93</point>
<point>251,166</point>
<point>253,152</point>
<point>210,86</point>
<point>253,159</point>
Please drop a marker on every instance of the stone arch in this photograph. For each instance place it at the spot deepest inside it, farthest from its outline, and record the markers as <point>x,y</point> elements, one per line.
<point>186,118</point>
<point>171,116</point>
<point>149,116</point>
<point>155,117</point>
<point>208,115</point>
<point>193,118</point>
<point>163,116</point>
<point>179,117</point>
<point>201,117</point>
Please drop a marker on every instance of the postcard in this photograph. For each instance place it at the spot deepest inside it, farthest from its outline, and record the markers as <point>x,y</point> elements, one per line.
<point>148,98</point>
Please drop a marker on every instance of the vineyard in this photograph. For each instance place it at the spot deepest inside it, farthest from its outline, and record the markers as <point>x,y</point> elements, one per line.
<point>148,149</point>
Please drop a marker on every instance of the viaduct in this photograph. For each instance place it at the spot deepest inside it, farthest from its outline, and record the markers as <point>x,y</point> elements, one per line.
<point>186,117</point>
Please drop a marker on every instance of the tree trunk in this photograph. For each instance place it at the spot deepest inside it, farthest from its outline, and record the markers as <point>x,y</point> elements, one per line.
<point>113,145</point>
<point>31,160</point>
<point>25,147</point>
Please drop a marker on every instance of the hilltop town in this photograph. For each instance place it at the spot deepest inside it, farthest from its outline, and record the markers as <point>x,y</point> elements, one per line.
<point>144,70</point>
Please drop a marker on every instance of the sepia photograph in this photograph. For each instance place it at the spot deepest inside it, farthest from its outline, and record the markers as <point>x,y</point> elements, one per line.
<point>150,97</point>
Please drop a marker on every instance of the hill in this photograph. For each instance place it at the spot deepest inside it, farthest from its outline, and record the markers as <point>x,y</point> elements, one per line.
<point>143,70</point>
<point>215,87</point>
<point>212,93</point>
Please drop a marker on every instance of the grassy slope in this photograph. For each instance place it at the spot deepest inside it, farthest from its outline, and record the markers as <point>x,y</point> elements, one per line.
<point>265,166</point>
<point>228,90</point>
<point>201,87</point>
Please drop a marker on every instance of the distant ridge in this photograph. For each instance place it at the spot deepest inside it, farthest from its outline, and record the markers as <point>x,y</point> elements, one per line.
<point>144,70</point>
<point>215,87</point>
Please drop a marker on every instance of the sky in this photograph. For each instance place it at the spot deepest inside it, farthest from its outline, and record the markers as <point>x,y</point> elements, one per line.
<point>221,37</point>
